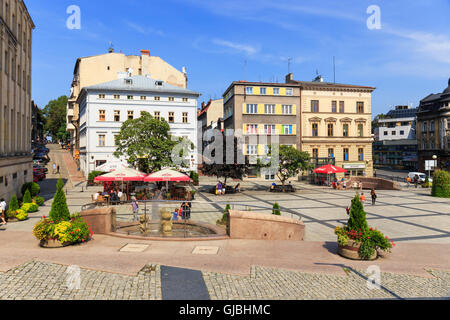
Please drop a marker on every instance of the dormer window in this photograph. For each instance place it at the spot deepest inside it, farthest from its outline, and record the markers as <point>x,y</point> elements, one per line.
<point>159,83</point>
<point>128,81</point>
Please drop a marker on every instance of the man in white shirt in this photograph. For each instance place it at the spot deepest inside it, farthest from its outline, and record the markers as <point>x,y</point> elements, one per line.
<point>2,211</point>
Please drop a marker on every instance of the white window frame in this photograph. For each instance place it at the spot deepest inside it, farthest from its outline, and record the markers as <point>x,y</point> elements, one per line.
<point>252,107</point>
<point>289,91</point>
<point>269,109</point>
<point>249,90</point>
<point>276,91</point>
<point>252,149</point>
<point>287,108</point>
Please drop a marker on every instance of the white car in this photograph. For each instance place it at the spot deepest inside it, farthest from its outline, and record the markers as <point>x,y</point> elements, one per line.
<point>422,177</point>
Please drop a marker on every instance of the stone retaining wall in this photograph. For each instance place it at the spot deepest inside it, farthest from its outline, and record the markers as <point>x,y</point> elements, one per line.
<point>376,183</point>
<point>101,220</point>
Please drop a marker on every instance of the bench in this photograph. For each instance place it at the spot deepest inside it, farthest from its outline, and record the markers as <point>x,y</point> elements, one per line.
<point>281,188</point>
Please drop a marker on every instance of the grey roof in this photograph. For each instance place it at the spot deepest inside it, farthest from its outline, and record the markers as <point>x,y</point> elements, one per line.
<point>140,83</point>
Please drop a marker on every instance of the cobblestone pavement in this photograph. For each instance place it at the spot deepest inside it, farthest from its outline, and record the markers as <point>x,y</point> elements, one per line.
<point>275,284</point>
<point>46,281</point>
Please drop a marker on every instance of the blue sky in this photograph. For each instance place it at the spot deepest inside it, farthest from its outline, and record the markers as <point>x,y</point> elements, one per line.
<point>407,59</point>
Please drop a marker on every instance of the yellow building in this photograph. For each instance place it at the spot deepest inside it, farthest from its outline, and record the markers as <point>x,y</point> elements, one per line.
<point>336,124</point>
<point>16,30</point>
<point>107,67</point>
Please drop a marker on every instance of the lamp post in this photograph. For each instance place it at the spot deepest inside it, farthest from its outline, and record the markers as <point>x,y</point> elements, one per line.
<point>434,165</point>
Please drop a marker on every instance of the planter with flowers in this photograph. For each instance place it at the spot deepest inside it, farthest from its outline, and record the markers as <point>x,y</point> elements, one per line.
<point>357,240</point>
<point>61,229</point>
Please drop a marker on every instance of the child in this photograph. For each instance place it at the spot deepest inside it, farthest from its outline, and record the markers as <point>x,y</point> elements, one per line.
<point>363,198</point>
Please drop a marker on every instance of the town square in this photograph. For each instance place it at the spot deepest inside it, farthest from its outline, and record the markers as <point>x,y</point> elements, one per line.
<point>134,169</point>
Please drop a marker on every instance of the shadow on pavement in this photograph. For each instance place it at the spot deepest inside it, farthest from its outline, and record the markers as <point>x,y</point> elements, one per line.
<point>48,188</point>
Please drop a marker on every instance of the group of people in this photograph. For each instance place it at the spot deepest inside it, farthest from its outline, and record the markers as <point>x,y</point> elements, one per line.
<point>184,212</point>
<point>221,188</point>
<point>55,168</point>
<point>362,197</point>
<point>114,195</point>
<point>338,184</point>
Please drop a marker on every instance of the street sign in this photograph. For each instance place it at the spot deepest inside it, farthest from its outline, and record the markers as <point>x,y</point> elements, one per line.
<point>430,164</point>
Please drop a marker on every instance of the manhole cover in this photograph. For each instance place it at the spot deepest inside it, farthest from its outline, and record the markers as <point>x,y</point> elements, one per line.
<point>134,248</point>
<point>205,250</point>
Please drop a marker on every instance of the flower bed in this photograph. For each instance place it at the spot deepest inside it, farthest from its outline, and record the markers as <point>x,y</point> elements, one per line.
<point>357,240</point>
<point>62,233</point>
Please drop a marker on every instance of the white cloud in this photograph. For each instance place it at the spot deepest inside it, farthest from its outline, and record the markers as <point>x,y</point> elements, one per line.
<point>144,30</point>
<point>247,49</point>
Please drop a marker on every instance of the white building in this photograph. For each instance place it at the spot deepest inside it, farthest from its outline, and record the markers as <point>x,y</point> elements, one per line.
<point>104,108</point>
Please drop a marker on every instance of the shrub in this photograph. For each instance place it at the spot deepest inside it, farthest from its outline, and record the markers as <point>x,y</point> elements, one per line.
<point>61,231</point>
<point>30,207</point>
<point>33,187</point>
<point>74,231</point>
<point>13,204</point>
<point>276,209</point>
<point>39,201</point>
<point>194,177</point>
<point>21,215</point>
<point>60,210</point>
<point>441,184</point>
<point>94,174</point>
<point>225,215</point>
<point>27,197</point>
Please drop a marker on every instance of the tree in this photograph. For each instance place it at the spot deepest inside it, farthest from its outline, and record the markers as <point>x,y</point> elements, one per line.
<point>441,184</point>
<point>55,117</point>
<point>226,162</point>
<point>60,210</point>
<point>290,161</point>
<point>357,220</point>
<point>276,209</point>
<point>147,144</point>
<point>27,197</point>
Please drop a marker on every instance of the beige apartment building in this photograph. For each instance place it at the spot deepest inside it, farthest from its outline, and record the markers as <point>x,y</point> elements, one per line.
<point>16,165</point>
<point>336,124</point>
<point>107,67</point>
<point>260,111</point>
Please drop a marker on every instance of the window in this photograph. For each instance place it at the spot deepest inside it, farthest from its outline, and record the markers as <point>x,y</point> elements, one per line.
<point>360,130</point>
<point>424,127</point>
<point>314,105</point>
<point>185,99</point>
<point>345,130</point>
<point>117,115</point>
<point>101,140</point>
<point>249,90</point>
<point>269,129</point>
<point>266,149</point>
<point>130,97</point>
<point>334,106</point>
<point>361,154</point>
<point>262,91</point>
<point>276,91</point>
<point>287,129</point>
<point>171,99</point>
<point>252,149</point>
<point>99,163</point>
<point>269,109</point>
<point>128,81</point>
<point>185,117</point>
<point>394,133</point>
<point>252,108</point>
<point>101,96</point>
<point>117,96</point>
<point>315,153</point>
<point>330,129</point>
<point>25,173</point>
<point>101,115</point>
<point>252,129</point>
<point>431,126</point>
<point>315,129</point>
<point>130,115</point>
<point>289,91</point>
<point>286,109</point>
<point>143,98</point>
<point>385,133</point>
<point>360,107</point>
<point>171,117</point>
<point>14,176</point>
<point>157,115</point>
<point>341,106</point>
<point>346,154</point>
<point>330,153</point>
<point>157,98</point>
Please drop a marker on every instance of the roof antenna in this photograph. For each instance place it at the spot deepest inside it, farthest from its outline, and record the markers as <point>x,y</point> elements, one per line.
<point>334,69</point>
<point>289,65</point>
<point>111,47</point>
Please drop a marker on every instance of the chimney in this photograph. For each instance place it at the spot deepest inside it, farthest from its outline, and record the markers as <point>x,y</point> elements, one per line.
<point>145,53</point>
<point>289,77</point>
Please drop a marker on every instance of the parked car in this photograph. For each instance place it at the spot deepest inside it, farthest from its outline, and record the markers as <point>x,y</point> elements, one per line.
<point>40,175</point>
<point>422,177</point>
<point>40,168</point>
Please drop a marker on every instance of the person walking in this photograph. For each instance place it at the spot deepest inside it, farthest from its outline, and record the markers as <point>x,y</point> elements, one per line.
<point>135,207</point>
<point>374,196</point>
<point>54,168</point>
<point>57,169</point>
<point>2,211</point>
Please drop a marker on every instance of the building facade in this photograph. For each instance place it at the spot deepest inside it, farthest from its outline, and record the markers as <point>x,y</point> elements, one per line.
<point>335,124</point>
<point>262,114</point>
<point>209,118</point>
<point>395,143</point>
<point>16,30</point>
<point>433,129</point>
<point>105,107</point>
<point>98,69</point>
